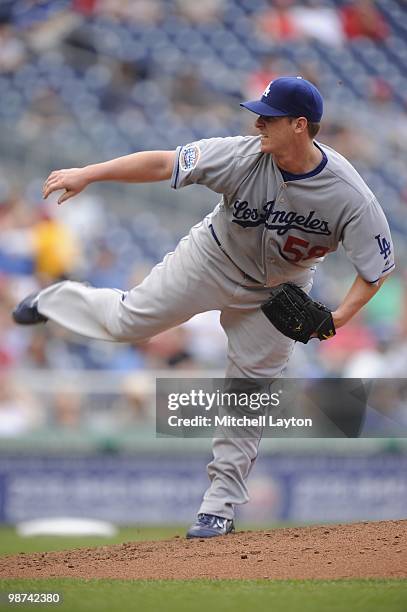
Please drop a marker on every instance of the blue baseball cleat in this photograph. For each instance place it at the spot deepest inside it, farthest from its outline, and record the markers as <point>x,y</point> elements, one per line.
<point>210,526</point>
<point>26,312</point>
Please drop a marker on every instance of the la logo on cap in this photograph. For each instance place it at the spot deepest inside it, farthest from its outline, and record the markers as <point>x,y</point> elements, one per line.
<point>267,90</point>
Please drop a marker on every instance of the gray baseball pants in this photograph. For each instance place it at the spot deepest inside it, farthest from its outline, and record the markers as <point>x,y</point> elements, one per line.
<point>195,278</point>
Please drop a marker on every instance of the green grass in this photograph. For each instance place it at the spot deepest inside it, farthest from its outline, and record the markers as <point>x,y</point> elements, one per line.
<point>222,595</point>
<point>11,543</point>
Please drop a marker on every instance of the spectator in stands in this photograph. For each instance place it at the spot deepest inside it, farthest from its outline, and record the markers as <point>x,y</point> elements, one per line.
<point>347,342</point>
<point>86,7</point>
<point>136,402</point>
<point>147,12</point>
<point>351,142</point>
<point>370,362</point>
<point>313,19</point>
<point>45,23</point>
<point>12,50</point>
<point>201,11</point>
<point>36,355</point>
<point>66,411</point>
<point>34,242</point>
<point>276,23</point>
<point>189,93</point>
<point>56,252</point>
<point>381,92</point>
<point>309,70</point>
<point>16,245</point>
<point>8,353</point>
<point>206,341</point>
<point>105,267</point>
<point>19,413</point>
<point>258,80</point>
<point>361,19</point>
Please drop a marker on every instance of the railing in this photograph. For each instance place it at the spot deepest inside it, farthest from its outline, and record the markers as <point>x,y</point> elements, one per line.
<point>94,411</point>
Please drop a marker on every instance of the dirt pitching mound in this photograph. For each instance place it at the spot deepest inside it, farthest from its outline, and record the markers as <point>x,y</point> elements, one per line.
<point>360,550</point>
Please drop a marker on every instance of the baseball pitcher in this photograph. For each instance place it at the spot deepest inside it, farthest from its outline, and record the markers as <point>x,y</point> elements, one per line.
<point>287,201</point>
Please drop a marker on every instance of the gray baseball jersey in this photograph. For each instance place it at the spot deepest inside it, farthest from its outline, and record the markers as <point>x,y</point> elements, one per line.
<point>276,226</point>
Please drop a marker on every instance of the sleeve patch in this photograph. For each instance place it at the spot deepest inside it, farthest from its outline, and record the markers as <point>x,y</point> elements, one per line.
<point>189,157</point>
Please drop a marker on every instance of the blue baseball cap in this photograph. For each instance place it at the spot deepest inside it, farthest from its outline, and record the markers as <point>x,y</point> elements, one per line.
<point>289,97</point>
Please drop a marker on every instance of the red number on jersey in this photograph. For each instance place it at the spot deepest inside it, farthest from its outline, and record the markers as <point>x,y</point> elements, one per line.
<point>291,247</point>
<point>297,247</point>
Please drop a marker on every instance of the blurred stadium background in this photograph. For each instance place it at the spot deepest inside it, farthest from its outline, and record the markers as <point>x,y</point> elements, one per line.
<point>86,80</point>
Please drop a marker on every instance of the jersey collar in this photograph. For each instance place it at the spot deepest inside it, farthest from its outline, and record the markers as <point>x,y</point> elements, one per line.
<point>288,176</point>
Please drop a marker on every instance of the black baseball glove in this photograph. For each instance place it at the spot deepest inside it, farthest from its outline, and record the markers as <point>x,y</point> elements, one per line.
<point>296,315</point>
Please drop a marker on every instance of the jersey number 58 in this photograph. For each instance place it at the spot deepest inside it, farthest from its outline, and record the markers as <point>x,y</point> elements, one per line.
<point>299,248</point>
